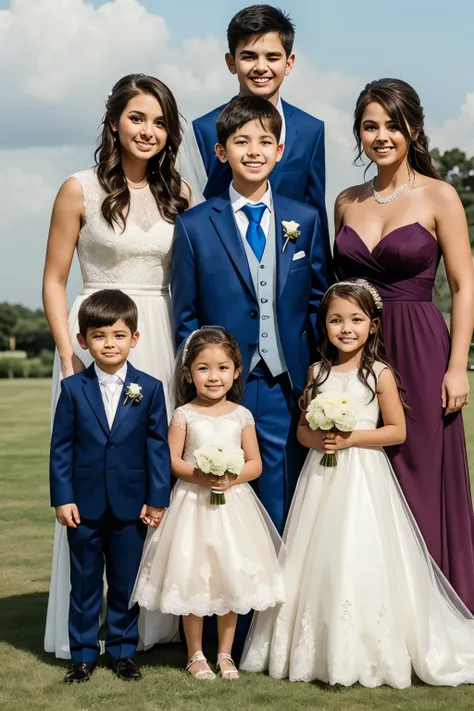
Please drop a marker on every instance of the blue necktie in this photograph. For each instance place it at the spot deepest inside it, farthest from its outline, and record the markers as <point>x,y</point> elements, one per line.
<point>255,235</point>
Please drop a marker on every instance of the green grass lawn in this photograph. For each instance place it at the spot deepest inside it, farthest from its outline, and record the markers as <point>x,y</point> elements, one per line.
<point>29,678</point>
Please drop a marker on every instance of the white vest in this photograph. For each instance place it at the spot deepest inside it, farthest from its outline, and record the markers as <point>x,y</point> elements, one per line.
<point>264,276</point>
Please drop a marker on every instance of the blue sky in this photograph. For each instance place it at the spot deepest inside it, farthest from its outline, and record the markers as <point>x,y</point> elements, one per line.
<point>429,43</point>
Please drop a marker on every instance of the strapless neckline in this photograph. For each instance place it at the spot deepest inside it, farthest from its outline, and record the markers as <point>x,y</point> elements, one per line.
<point>387,236</point>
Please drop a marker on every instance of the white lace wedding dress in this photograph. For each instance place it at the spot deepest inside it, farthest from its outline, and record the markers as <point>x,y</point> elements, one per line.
<point>205,559</point>
<point>365,602</point>
<point>137,261</point>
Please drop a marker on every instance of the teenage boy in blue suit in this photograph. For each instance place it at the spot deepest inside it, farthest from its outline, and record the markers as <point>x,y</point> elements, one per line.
<point>256,263</point>
<point>260,40</point>
<point>109,478</point>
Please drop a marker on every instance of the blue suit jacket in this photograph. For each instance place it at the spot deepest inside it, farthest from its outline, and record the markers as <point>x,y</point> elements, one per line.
<point>211,281</point>
<point>125,467</point>
<point>301,173</point>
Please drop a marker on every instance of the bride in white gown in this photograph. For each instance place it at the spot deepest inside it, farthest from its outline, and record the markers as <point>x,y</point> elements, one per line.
<point>138,188</point>
<point>365,602</point>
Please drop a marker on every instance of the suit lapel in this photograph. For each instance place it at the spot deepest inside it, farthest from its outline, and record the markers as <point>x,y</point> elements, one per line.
<point>123,409</point>
<point>91,389</point>
<point>224,222</point>
<point>291,130</point>
<point>284,258</point>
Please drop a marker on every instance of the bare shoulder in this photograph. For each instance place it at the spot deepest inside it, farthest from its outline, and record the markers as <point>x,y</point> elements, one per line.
<point>70,197</point>
<point>344,200</point>
<point>351,194</point>
<point>71,192</point>
<point>441,193</point>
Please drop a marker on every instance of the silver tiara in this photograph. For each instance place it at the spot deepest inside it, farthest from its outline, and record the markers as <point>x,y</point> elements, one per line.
<point>364,285</point>
<point>186,346</point>
<point>188,341</point>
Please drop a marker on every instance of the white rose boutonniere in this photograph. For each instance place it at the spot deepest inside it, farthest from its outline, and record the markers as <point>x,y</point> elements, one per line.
<point>290,228</point>
<point>133,393</point>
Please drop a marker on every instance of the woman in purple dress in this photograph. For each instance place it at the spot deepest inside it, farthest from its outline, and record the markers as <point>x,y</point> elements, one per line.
<point>393,232</point>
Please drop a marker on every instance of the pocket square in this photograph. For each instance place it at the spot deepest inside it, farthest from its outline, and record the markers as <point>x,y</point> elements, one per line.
<point>299,255</point>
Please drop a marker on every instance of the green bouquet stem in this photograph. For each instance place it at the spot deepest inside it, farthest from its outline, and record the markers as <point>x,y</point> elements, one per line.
<point>328,460</point>
<point>217,498</point>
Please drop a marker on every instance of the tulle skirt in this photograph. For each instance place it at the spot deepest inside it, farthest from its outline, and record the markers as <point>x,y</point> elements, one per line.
<point>154,354</point>
<point>365,602</point>
<point>205,559</point>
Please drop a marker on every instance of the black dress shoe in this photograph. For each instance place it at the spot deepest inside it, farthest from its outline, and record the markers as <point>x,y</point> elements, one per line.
<point>126,669</point>
<point>79,671</point>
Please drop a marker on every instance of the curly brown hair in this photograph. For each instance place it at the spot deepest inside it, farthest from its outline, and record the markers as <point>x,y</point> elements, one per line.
<point>403,105</point>
<point>193,346</point>
<point>163,178</point>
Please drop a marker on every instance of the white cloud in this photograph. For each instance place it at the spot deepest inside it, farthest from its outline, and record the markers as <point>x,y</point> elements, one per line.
<point>58,61</point>
<point>457,132</point>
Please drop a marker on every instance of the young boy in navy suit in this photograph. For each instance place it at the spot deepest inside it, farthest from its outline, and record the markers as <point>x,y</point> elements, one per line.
<point>109,479</point>
<point>260,39</point>
<point>256,263</point>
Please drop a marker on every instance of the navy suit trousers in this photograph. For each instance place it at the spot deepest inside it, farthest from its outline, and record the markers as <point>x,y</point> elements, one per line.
<point>119,545</point>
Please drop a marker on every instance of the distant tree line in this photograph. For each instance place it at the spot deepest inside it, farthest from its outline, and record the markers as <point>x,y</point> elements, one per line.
<point>24,329</point>
<point>456,168</point>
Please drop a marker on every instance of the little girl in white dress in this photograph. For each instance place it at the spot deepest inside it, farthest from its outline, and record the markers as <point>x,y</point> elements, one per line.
<point>207,559</point>
<point>364,601</point>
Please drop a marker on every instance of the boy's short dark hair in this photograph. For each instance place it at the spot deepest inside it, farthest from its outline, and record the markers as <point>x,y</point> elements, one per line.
<point>106,307</point>
<point>244,109</point>
<point>259,20</point>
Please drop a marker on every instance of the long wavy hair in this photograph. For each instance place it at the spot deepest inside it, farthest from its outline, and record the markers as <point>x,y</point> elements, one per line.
<point>199,340</point>
<point>361,293</point>
<point>402,104</point>
<point>163,178</point>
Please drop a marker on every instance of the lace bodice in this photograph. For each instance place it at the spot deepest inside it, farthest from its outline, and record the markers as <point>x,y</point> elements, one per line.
<point>202,429</point>
<point>141,254</point>
<point>367,410</point>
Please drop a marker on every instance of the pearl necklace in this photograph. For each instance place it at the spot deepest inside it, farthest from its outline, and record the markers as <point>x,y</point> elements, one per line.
<point>384,200</point>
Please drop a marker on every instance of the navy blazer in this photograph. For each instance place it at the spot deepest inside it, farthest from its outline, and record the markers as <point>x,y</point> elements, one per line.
<point>94,466</point>
<point>211,281</point>
<point>300,174</point>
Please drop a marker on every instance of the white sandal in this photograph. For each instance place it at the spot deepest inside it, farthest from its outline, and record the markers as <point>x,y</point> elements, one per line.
<point>203,674</point>
<point>230,674</point>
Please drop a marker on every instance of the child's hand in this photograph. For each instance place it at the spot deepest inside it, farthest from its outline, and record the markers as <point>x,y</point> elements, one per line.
<point>206,480</point>
<point>317,440</point>
<point>68,515</point>
<point>224,482</point>
<point>334,441</point>
<point>151,516</point>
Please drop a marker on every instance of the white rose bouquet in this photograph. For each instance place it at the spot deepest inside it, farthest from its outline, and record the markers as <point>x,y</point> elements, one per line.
<point>219,460</point>
<point>331,411</point>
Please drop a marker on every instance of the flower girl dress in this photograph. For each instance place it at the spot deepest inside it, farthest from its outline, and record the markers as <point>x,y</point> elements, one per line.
<point>205,559</point>
<point>364,601</point>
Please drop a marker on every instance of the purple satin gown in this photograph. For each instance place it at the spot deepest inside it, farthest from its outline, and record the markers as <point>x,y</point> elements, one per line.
<point>431,465</point>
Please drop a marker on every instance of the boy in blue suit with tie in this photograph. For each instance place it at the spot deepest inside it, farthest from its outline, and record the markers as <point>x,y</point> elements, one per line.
<point>260,39</point>
<point>109,478</point>
<point>256,263</point>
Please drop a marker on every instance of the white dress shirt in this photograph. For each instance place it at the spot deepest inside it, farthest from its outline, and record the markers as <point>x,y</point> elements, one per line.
<point>238,201</point>
<point>110,389</point>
